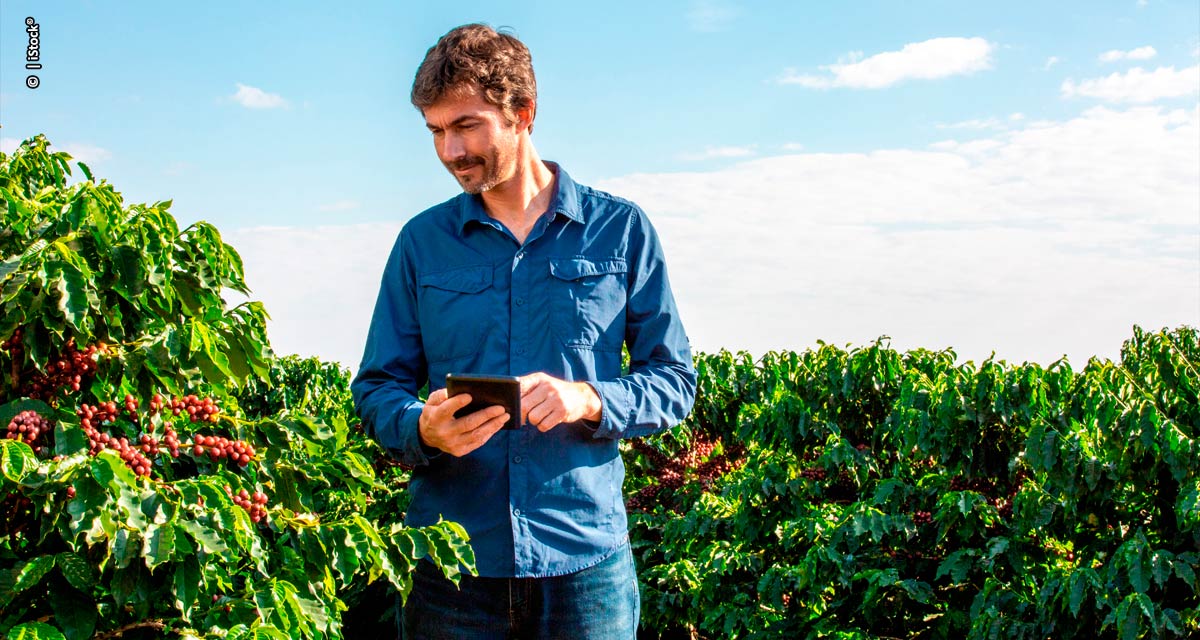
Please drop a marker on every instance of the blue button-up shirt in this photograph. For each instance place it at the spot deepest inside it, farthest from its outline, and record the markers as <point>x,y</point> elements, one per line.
<point>460,294</point>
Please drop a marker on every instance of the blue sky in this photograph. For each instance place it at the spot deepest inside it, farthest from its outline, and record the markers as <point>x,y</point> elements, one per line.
<point>863,154</point>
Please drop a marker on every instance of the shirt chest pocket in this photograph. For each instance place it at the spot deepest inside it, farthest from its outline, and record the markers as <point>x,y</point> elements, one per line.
<point>587,302</point>
<point>455,311</point>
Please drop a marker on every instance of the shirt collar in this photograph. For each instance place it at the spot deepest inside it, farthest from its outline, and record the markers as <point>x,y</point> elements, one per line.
<point>564,201</point>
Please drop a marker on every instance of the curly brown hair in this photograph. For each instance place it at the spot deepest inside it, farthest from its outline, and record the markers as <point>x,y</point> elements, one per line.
<point>476,56</point>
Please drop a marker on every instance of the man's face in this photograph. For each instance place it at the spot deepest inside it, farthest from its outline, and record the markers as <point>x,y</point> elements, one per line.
<point>473,140</point>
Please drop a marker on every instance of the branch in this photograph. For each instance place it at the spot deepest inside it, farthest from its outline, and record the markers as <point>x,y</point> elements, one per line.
<point>157,625</point>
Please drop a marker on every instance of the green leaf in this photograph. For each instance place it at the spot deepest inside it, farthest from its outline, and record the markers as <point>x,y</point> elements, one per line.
<point>17,460</point>
<point>76,570</point>
<point>160,544</point>
<point>1139,577</point>
<point>956,565</point>
<point>34,631</point>
<point>1160,566</point>
<point>186,584</point>
<point>110,471</point>
<point>314,611</point>
<point>69,439</point>
<point>357,466</point>
<point>125,547</point>
<point>1079,582</point>
<point>73,301</point>
<point>30,573</point>
<point>127,261</point>
<point>1129,616</point>
<point>9,266</point>
<point>75,613</point>
<point>268,632</point>
<point>209,539</point>
<point>413,543</point>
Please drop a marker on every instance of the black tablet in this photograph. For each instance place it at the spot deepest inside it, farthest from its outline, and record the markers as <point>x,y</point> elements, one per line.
<point>487,391</point>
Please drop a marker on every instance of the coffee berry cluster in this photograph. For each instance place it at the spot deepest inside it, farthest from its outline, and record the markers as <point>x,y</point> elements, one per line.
<point>695,461</point>
<point>220,447</point>
<point>70,369</point>
<point>105,412</point>
<point>28,427</point>
<point>13,345</point>
<point>196,409</point>
<point>255,505</point>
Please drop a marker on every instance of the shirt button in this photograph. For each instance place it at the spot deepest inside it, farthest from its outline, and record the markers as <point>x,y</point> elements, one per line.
<point>520,351</point>
<point>517,459</point>
<point>517,512</point>
<point>520,301</point>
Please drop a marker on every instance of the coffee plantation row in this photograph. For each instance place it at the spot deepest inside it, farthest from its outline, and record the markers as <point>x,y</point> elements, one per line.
<point>164,474</point>
<point>879,494</point>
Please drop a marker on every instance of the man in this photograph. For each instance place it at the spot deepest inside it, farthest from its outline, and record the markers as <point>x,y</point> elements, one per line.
<point>526,273</point>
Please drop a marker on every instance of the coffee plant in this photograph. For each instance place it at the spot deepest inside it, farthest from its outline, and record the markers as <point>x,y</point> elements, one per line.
<point>154,480</point>
<point>868,493</point>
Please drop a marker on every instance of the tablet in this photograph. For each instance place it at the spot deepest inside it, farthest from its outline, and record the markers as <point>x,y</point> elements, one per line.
<point>487,391</point>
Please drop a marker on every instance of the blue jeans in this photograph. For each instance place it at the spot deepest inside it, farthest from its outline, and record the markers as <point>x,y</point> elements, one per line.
<point>597,603</point>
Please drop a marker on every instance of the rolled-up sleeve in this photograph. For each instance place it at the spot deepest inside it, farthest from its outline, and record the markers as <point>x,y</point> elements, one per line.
<point>393,365</point>
<point>660,388</point>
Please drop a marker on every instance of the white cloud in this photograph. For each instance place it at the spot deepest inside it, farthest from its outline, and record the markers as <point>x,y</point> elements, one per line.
<point>1016,117</point>
<point>1137,85</point>
<point>1050,239</point>
<point>1050,62</point>
<point>340,205</point>
<point>707,16</point>
<point>319,284</point>
<point>988,123</point>
<point>9,145</point>
<point>792,146</point>
<point>928,60</point>
<point>1047,239</point>
<point>255,98</point>
<point>86,153</point>
<point>1142,3</point>
<point>712,153</point>
<point>1140,53</point>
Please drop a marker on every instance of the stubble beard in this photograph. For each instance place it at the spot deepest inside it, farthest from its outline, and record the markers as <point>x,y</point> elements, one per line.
<point>490,179</point>
<point>493,167</point>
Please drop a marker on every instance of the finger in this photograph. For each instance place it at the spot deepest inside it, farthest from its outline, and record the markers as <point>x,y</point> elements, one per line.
<point>550,420</point>
<point>437,397</point>
<point>489,428</point>
<point>531,400</point>
<point>454,403</point>
<point>476,420</point>
<point>531,381</point>
<point>486,430</point>
<point>537,414</point>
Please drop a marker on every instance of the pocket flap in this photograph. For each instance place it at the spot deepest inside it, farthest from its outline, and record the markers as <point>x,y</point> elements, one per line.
<point>576,268</point>
<point>464,280</point>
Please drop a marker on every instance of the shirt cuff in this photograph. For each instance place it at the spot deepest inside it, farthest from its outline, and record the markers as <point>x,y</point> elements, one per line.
<point>616,408</point>
<point>411,450</point>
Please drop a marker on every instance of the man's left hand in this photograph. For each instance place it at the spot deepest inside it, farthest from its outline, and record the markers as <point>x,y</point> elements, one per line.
<point>547,402</point>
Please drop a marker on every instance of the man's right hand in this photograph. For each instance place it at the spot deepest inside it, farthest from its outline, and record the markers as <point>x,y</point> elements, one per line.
<point>439,428</point>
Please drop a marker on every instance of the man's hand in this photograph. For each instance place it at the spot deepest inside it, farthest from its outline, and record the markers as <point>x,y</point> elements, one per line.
<point>547,402</point>
<point>439,428</point>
